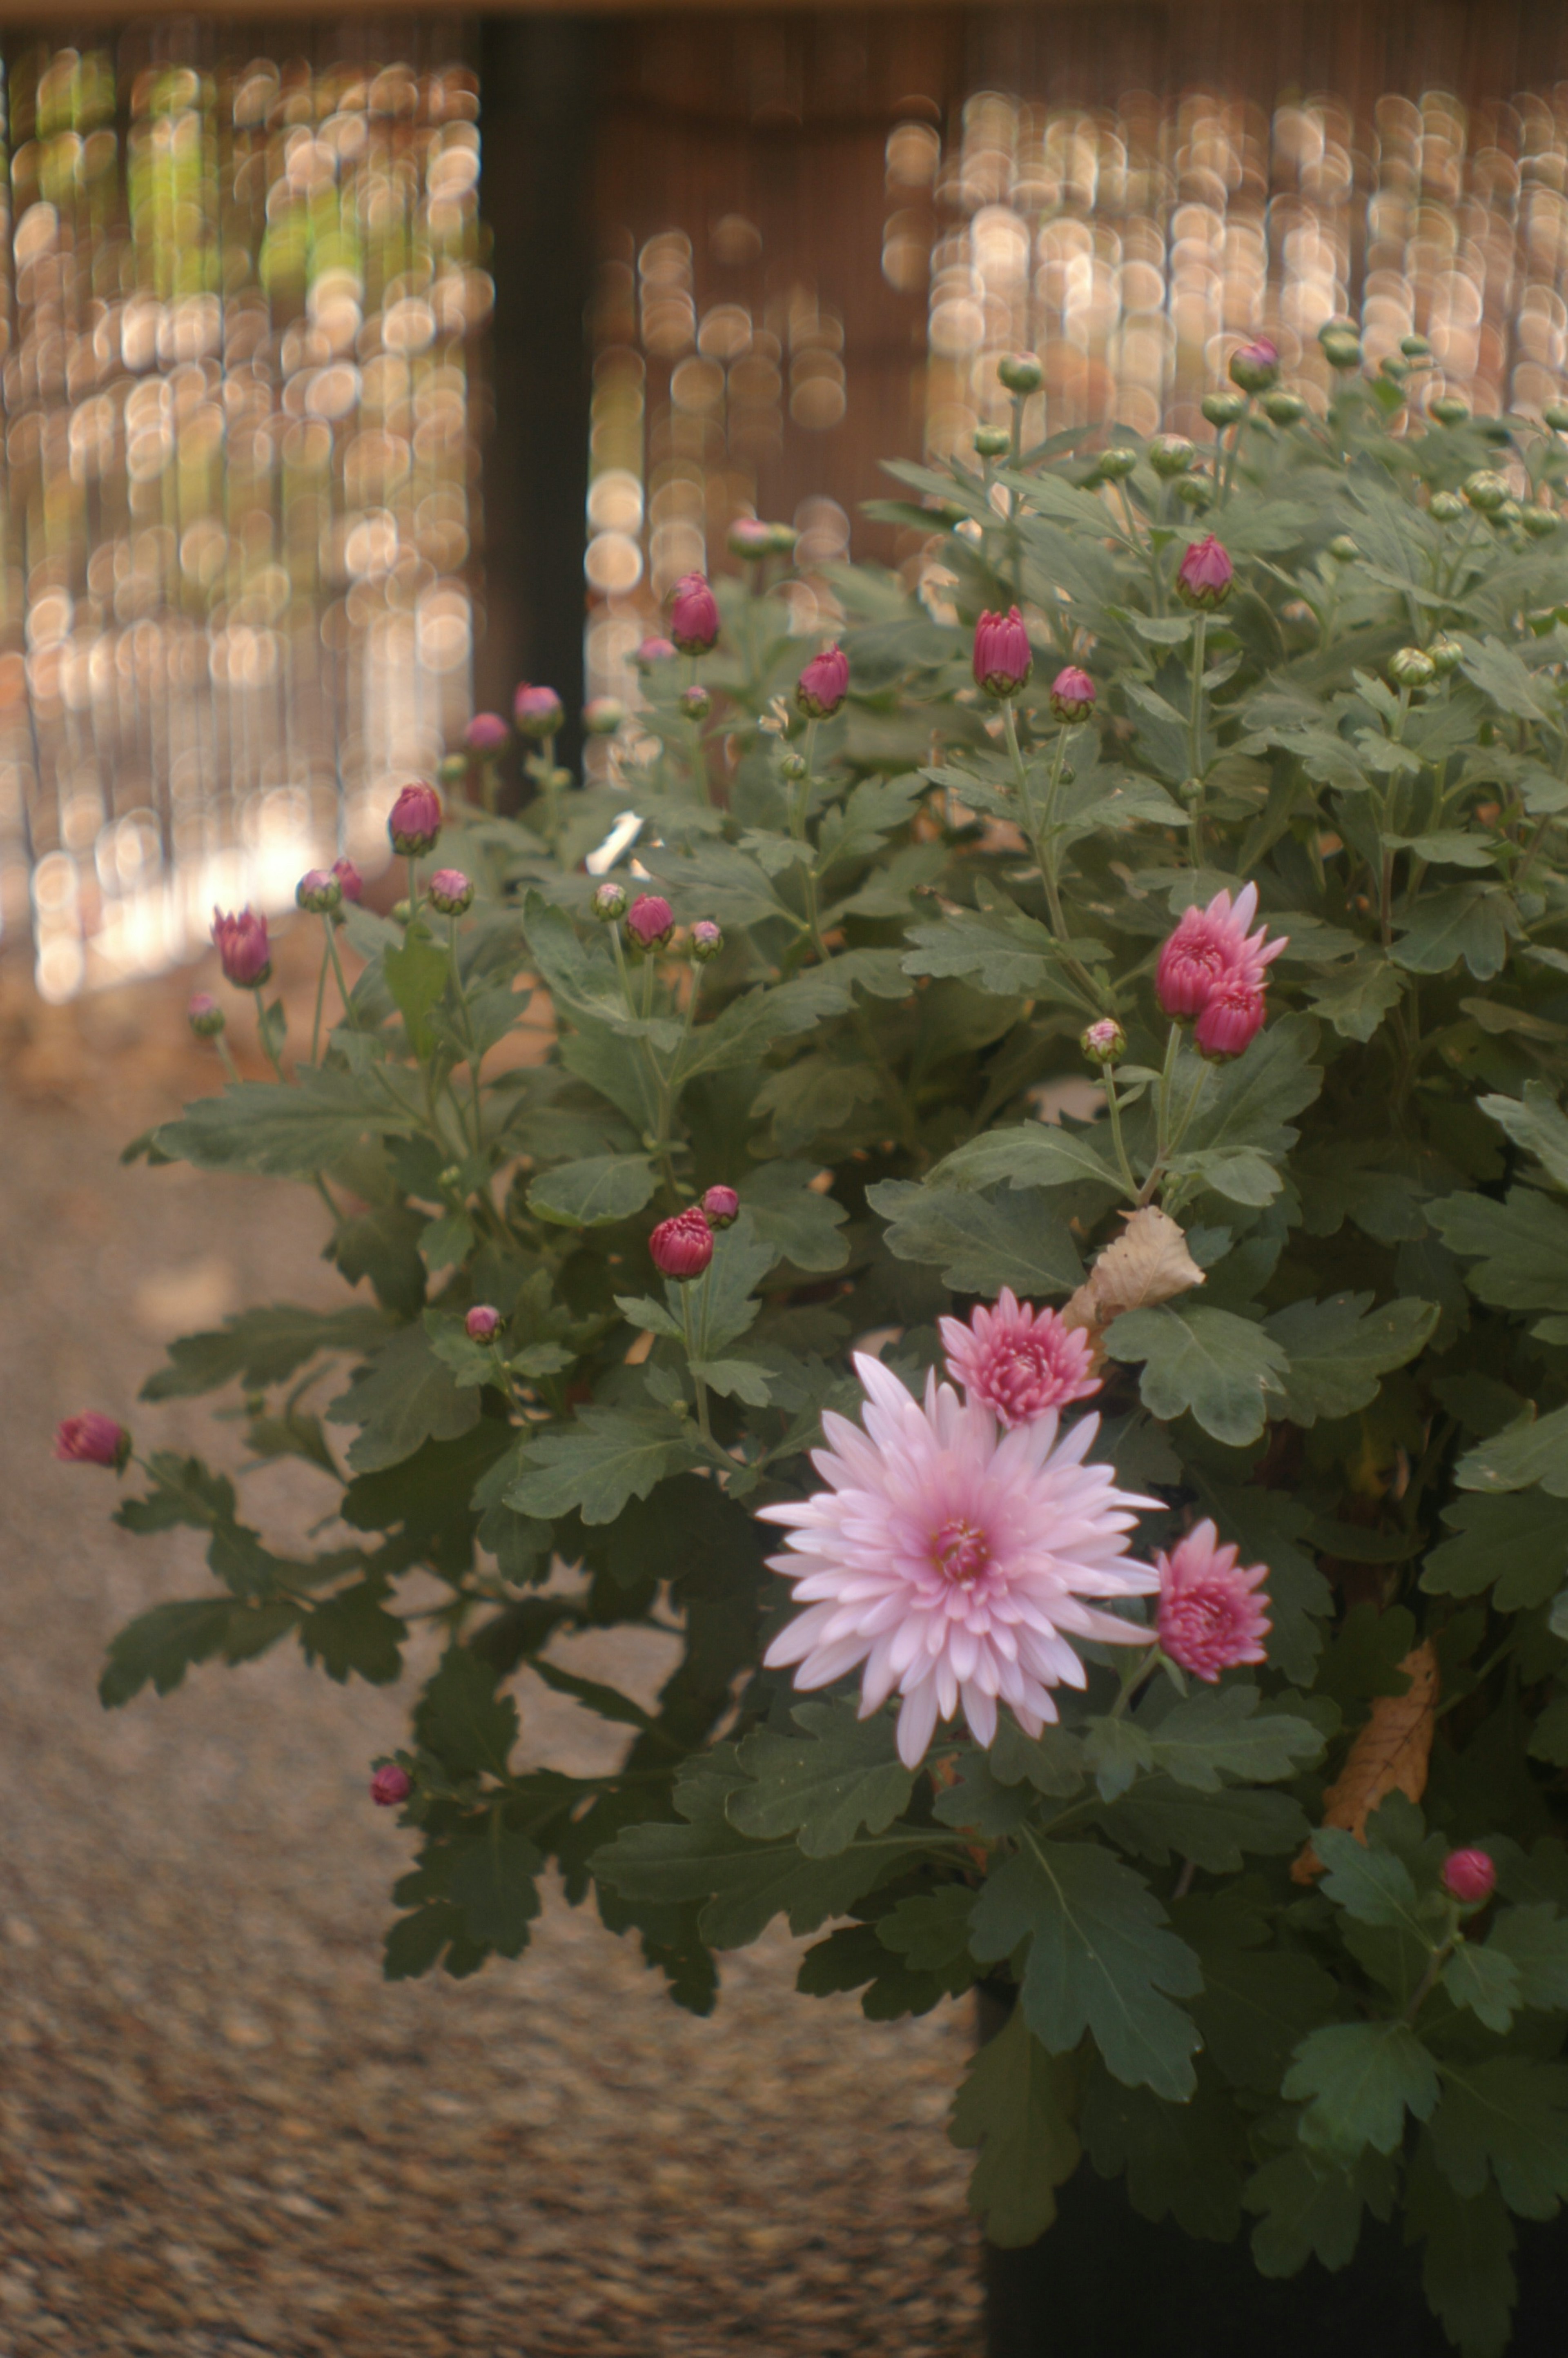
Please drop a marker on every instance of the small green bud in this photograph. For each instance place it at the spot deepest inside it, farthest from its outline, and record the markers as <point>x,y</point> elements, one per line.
<point>1283,408</point>
<point>1411,667</point>
<point>1171,454</point>
<point>1539,521</point>
<point>696,703</point>
<point>1343,548</point>
<point>1116,463</point>
<point>609,901</point>
<point>1509,512</point>
<point>402,912</point>
<point>1448,506</point>
<point>1105,1042</point>
<point>1486,493</point>
<point>1416,348</point>
<point>1195,490</point>
<point>1556,415</point>
<point>793,767</point>
<point>1447,655</point>
<point>1223,410</point>
<point>992,442</point>
<point>1394,368</point>
<point>1021,372</point>
<point>452,769</point>
<point>1341,347</point>
<point>706,940</point>
<point>1448,409</point>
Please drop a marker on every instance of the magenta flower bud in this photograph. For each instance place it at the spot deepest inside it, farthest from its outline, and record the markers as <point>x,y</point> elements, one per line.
<point>602,715</point>
<point>1004,658</point>
<point>1105,1042</point>
<point>694,615</point>
<point>682,1247</point>
<point>318,891</point>
<point>650,921</point>
<point>92,1440</point>
<point>1255,366</point>
<point>654,651</point>
<point>538,711</point>
<point>1231,1019</point>
<point>706,940</point>
<point>451,891</point>
<point>390,1785</point>
<point>750,539</point>
<point>1470,1876</point>
<point>609,901</point>
<point>205,1017</point>
<point>241,946</point>
<point>696,703</point>
<point>487,733</point>
<point>1072,695</point>
<point>349,877</point>
<point>823,684</point>
<point>482,1324</point>
<point>1204,576</point>
<point>416,820</point>
<point>721,1207</point>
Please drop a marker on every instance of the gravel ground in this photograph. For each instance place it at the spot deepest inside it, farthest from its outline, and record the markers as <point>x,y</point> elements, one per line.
<point>220,2130</point>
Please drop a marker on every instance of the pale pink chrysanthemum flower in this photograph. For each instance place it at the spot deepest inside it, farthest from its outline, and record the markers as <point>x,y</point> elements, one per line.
<point>1211,1615</point>
<point>953,1560</point>
<point>1019,1361</point>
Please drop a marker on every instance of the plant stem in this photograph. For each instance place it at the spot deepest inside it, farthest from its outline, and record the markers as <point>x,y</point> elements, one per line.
<point>1114,1108</point>
<point>1194,742</point>
<point>693,1360</point>
<point>1040,838</point>
<point>1141,1667</point>
<point>270,1053</point>
<point>1162,1116</point>
<point>468,1035</point>
<point>338,971</point>
<point>320,996</point>
<point>227,1054</point>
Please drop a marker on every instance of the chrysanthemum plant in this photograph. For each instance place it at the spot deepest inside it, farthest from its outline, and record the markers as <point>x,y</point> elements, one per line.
<point>1022,1236</point>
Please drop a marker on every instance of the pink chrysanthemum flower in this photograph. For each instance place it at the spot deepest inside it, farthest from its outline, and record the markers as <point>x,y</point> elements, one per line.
<point>1017,1361</point>
<point>952,1561</point>
<point>1211,1614</point>
<point>1212,946</point>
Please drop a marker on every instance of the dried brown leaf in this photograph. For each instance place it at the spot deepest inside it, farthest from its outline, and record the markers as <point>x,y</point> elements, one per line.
<point>1391,1754</point>
<point>1147,1263</point>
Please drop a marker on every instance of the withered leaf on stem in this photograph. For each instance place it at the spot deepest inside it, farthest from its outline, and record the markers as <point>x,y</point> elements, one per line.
<point>1392,1753</point>
<point>1146,1264</point>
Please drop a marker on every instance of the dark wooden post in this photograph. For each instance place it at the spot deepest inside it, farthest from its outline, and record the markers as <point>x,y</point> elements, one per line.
<point>537,92</point>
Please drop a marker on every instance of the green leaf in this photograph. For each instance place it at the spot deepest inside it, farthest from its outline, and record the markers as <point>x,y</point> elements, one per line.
<point>1533,1450</point>
<point>417,976</point>
<point>1507,2117</point>
<point>1536,1122</point>
<point>1252,1100</point>
<point>593,1193</point>
<point>492,1883</point>
<point>745,1884</point>
<point>1310,2208</point>
<point>1339,1350</point>
<point>1373,1886</point>
<point>354,1631</point>
<point>1017,2105</point>
<point>1219,1367</point>
<point>1099,1959</point>
<point>846,1774</point>
<point>1221,1734</point>
<point>1472,922</point>
<point>161,1645</point>
<point>1520,1246</point>
<point>1157,1821</point>
<point>261,1347</point>
<point>930,1930</point>
<point>1181,2161</point>
<point>1258,2001</point>
<point>1518,1539</point>
<point>978,1245</point>
<point>742,1379</point>
<point>800,1223</point>
<point>1239,1173</point>
<point>1535,1941</point>
<point>1027,1154</point>
<point>404,1397</point>
<point>462,1720</point>
<point>998,950</point>
<point>1466,2272</point>
<point>1485,1979</point>
<point>1355,997</point>
<point>284,1128</point>
<point>607,1456</point>
<point>1498,673</point>
<point>382,1244</point>
<point>1358,2080</point>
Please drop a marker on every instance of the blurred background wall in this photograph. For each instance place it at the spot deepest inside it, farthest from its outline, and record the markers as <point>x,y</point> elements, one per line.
<point>354,368</point>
